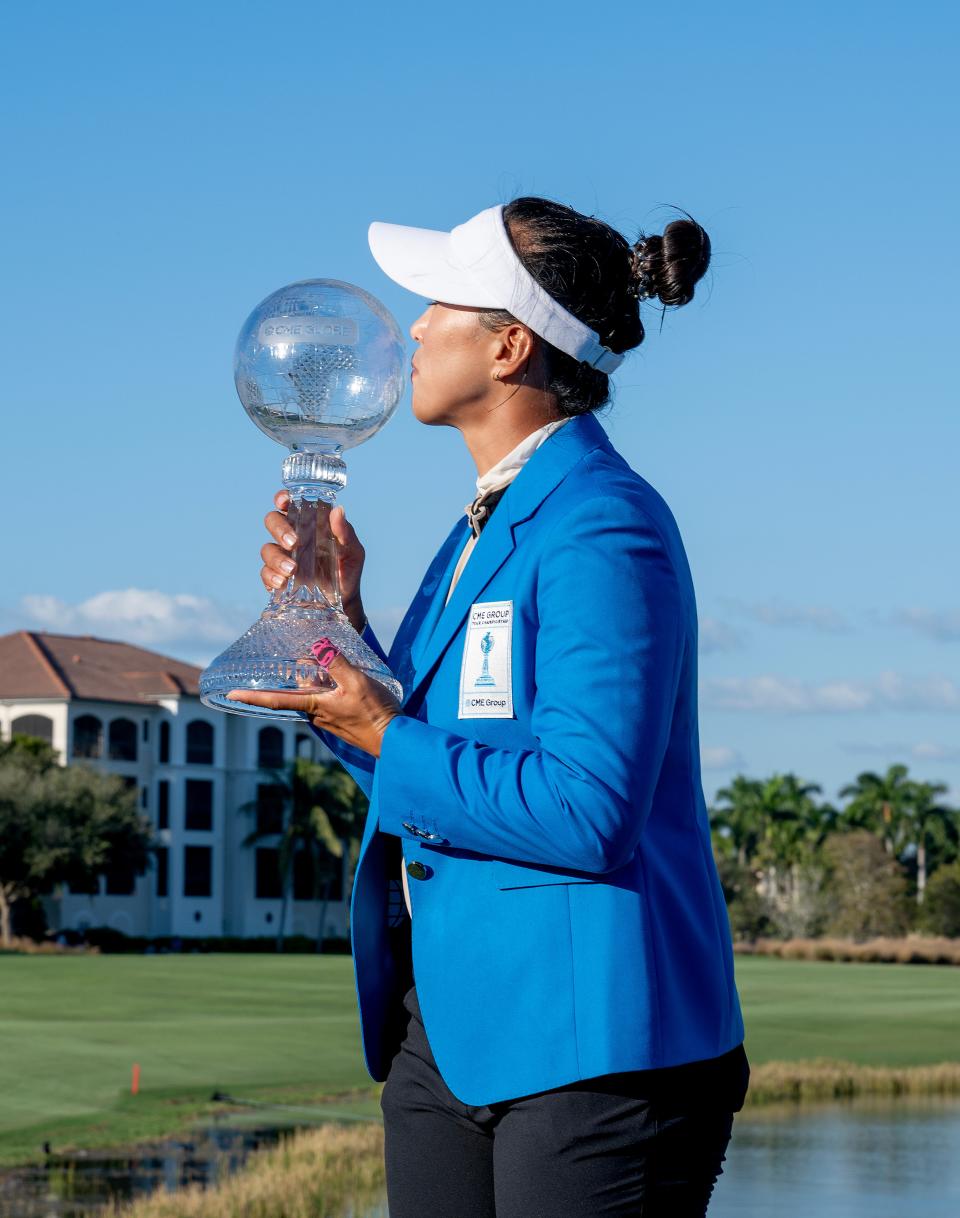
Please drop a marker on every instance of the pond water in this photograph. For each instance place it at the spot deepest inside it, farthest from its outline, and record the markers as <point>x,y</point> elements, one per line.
<point>857,1160</point>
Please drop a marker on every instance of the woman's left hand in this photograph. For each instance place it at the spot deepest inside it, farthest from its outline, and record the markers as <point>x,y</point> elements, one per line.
<point>358,710</point>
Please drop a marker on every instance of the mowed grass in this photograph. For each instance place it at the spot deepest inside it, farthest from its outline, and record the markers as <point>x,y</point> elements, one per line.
<point>286,1028</point>
<point>253,1026</point>
<point>870,1014</point>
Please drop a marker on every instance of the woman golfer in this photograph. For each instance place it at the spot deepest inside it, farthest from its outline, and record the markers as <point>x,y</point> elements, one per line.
<point>566,1037</point>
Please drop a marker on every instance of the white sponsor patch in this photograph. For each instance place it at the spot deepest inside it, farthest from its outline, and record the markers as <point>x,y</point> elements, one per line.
<point>486,673</point>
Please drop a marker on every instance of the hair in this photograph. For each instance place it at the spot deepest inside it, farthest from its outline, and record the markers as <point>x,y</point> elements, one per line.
<point>594,272</point>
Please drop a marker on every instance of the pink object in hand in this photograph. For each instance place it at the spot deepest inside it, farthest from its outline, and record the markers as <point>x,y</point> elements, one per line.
<point>325,652</point>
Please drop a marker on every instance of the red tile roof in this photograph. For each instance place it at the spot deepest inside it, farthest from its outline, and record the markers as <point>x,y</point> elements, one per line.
<point>35,664</point>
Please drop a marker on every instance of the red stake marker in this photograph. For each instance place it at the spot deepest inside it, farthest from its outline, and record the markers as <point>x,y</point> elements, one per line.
<point>135,1079</point>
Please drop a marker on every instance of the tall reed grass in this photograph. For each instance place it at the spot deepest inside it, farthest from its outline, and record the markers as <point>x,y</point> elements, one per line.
<point>913,949</point>
<point>823,1079</point>
<point>329,1172</point>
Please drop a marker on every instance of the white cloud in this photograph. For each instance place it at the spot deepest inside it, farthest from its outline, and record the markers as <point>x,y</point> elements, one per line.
<point>943,625</point>
<point>924,750</point>
<point>779,613</point>
<point>193,626</point>
<point>889,690</point>
<point>719,757</point>
<point>714,635</point>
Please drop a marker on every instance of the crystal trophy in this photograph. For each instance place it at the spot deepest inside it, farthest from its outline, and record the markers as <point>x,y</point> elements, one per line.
<point>319,366</point>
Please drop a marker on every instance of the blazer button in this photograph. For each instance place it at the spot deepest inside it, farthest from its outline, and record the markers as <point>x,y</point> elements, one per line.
<point>417,870</point>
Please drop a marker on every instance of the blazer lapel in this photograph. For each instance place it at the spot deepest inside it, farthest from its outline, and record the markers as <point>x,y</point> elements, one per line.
<point>543,472</point>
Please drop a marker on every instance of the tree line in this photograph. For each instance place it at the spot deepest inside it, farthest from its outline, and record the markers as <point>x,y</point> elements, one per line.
<point>71,825</point>
<point>791,864</point>
<point>884,862</point>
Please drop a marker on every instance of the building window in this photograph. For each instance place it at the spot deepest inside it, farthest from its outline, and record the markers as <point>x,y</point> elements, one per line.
<point>146,730</point>
<point>120,882</point>
<point>122,740</point>
<point>197,871</point>
<point>198,804</point>
<point>199,743</point>
<point>163,804</point>
<point>87,736</point>
<point>304,746</point>
<point>268,874</point>
<point>33,725</point>
<point>143,797</point>
<point>90,889</point>
<point>304,876</point>
<point>269,807</point>
<point>163,871</point>
<point>270,748</point>
<point>164,758</point>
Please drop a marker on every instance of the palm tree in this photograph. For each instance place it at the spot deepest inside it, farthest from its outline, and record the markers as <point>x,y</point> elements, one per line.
<point>794,828</point>
<point>322,814</point>
<point>741,822</point>
<point>931,821</point>
<point>337,817</point>
<point>882,804</point>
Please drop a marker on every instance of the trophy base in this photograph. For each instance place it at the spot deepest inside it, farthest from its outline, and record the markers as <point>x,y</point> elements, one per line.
<point>274,654</point>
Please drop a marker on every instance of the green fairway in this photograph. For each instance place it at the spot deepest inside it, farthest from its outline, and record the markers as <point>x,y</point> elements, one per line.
<point>72,1027</point>
<point>286,1028</point>
<point>871,1014</point>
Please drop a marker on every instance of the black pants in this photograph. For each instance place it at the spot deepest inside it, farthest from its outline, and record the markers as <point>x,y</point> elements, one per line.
<point>642,1143</point>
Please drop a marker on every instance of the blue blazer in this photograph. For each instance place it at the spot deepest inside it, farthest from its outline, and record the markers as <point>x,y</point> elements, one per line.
<point>569,921</point>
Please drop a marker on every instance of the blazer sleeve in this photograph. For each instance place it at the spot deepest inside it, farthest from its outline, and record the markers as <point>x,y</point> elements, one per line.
<point>609,653</point>
<point>358,763</point>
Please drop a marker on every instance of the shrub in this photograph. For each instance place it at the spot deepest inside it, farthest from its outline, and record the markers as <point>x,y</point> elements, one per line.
<point>868,891</point>
<point>940,913</point>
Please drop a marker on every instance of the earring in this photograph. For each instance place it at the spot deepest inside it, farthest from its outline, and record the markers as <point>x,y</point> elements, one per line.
<point>496,375</point>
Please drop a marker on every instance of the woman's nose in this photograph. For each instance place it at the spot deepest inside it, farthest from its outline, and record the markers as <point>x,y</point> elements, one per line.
<point>416,328</point>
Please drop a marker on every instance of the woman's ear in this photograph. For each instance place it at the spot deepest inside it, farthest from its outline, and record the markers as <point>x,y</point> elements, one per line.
<point>513,350</point>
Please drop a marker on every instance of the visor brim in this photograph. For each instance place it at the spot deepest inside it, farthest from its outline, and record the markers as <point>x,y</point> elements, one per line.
<point>422,261</point>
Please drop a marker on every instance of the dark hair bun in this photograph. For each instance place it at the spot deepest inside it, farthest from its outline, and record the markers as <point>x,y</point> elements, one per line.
<point>669,266</point>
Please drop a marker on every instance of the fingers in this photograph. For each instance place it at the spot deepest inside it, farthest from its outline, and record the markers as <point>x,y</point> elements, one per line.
<point>271,699</point>
<point>277,567</point>
<point>344,531</point>
<point>278,526</point>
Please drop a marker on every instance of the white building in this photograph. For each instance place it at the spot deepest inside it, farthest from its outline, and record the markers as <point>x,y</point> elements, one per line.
<point>138,714</point>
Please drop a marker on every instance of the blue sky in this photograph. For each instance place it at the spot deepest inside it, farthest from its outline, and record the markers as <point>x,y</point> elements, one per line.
<point>170,164</point>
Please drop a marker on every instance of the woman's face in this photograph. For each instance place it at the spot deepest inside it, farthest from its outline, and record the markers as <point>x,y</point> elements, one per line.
<point>453,367</point>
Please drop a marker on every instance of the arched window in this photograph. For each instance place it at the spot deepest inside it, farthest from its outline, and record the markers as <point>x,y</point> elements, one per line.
<point>122,740</point>
<point>270,748</point>
<point>33,725</point>
<point>164,757</point>
<point>304,746</point>
<point>87,736</point>
<point>199,743</point>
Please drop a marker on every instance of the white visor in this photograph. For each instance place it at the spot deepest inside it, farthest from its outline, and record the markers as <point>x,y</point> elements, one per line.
<point>475,264</point>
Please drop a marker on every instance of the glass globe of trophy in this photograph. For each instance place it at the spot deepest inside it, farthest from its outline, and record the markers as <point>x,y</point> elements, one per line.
<point>319,366</point>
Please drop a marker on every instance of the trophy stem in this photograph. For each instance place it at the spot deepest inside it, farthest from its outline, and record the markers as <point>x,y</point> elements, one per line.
<point>313,480</point>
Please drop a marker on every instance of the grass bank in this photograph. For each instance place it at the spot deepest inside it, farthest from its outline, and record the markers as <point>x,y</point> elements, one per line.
<point>284,1030</point>
<point>318,1173</point>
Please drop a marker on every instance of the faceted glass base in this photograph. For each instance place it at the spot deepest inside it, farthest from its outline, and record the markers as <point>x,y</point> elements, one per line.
<point>275,654</point>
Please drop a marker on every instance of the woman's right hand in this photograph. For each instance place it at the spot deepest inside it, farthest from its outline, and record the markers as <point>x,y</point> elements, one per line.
<point>278,565</point>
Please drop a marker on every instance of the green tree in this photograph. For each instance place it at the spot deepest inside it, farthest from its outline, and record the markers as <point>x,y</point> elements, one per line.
<point>867,889</point>
<point>932,823</point>
<point>737,818</point>
<point>941,907</point>
<point>61,825</point>
<point>881,803</point>
<point>323,813</point>
<point>787,855</point>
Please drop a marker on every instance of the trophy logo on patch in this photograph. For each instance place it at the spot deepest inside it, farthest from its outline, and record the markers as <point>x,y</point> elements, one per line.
<point>486,646</point>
